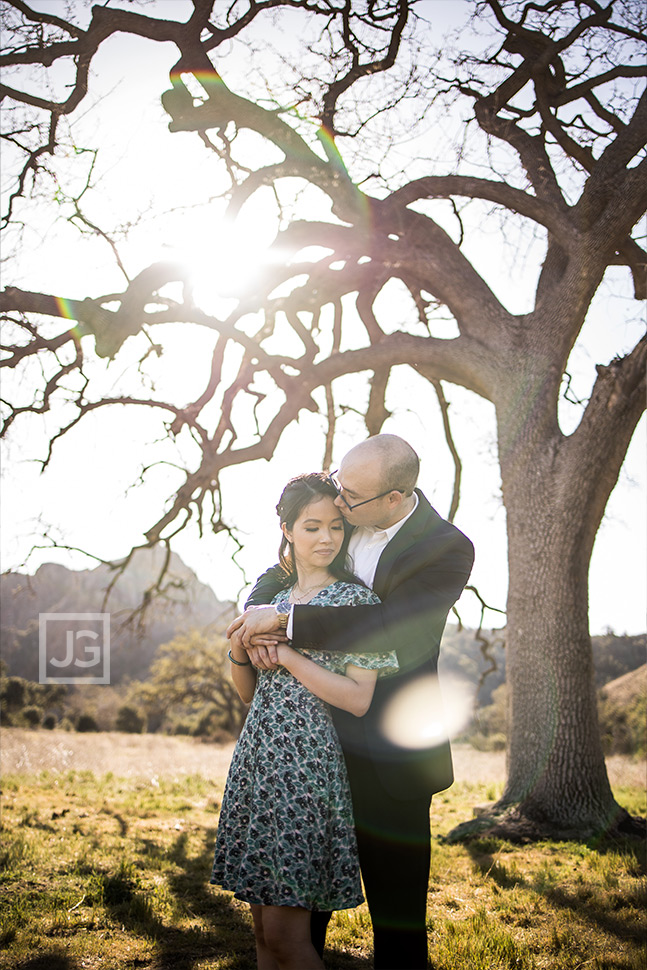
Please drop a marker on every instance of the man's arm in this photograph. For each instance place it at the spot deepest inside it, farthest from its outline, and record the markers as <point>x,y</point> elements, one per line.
<point>267,586</point>
<point>429,580</point>
<point>410,619</point>
<point>425,582</point>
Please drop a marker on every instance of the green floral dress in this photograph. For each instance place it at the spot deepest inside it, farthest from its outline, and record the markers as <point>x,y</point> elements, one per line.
<point>286,835</point>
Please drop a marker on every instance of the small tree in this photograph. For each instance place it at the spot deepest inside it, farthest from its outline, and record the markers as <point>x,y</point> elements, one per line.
<point>189,681</point>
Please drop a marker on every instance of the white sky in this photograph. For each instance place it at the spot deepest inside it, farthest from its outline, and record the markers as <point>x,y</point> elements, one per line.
<point>85,496</point>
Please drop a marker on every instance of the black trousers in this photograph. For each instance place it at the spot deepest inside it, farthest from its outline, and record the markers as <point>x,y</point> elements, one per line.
<point>393,838</point>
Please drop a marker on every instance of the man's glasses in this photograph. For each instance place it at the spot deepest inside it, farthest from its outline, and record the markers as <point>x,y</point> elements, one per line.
<point>340,492</point>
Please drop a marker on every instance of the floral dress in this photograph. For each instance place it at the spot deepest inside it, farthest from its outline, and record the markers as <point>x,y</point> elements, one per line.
<point>286,835</point>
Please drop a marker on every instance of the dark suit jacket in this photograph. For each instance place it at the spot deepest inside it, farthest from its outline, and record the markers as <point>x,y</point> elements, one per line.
<point>420,575</point>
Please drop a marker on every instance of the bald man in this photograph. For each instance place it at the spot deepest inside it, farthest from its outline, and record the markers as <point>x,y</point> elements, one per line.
<point>397,754</point>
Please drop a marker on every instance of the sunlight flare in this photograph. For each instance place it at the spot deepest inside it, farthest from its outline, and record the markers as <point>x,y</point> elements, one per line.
<point>419,717</point>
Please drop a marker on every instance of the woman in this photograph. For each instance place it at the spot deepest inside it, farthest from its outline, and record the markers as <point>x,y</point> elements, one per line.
<point>286,839</point>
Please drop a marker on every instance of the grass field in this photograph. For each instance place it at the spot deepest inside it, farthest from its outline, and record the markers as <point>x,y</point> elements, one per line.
<point>106,851</point>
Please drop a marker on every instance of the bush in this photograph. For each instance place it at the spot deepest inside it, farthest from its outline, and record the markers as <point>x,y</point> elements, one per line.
<point>13,692</point>
<point>493,719</point>
<point>32,715</point>
<point>488,742</point>
<point>129,720</point>
<point>49,722</point>
<point>86,723</point>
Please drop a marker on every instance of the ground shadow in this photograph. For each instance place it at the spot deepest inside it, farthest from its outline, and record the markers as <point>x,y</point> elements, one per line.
<point>227,934</point>
<point>591,909</point>
<point>53,959</point>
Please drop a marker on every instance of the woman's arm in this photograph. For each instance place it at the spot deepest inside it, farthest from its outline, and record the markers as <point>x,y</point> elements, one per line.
<point>243,673</point>
<point>352,691</point>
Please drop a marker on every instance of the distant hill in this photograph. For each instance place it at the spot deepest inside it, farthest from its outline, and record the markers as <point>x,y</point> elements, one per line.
<point>462,656</point>
<point>626,689</point>
<point>185,604</point>
<point>623,713</point>
<point>614,656</point>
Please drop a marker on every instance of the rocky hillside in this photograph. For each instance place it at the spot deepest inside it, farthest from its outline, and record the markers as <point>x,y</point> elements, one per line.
<point>185,603</point>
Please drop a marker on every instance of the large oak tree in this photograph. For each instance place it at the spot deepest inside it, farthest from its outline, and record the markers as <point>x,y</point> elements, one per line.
<point>549,103</point>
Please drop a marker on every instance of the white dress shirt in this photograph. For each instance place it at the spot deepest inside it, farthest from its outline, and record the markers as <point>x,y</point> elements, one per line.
<point>367,544</point>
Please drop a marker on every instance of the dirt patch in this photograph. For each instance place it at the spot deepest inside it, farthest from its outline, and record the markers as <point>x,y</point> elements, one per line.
<point>125,755</point>
<point>149,755</point>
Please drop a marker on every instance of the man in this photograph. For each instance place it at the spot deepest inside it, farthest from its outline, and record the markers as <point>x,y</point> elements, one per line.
<point>397,756</point>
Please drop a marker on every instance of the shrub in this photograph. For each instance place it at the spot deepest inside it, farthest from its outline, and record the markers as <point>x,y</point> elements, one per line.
<point>129,720</point>
<point>86,723</point>
<point>31,715</point>
<point>488,742</point>
<point>13,692</point>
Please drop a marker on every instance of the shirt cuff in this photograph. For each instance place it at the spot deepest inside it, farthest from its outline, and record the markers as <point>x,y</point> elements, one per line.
<point>290,626</point>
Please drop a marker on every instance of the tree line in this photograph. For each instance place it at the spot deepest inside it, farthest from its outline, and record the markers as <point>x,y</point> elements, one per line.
<point>188,691</point>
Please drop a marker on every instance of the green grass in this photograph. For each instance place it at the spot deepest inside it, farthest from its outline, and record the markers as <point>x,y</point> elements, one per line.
<point>109,873</point>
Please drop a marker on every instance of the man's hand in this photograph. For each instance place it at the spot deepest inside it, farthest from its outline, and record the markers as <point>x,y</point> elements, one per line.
<point>257,630</point>
<point>255,620</point>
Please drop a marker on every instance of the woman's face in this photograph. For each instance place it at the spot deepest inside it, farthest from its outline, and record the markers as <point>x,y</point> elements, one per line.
<point>317,534</point>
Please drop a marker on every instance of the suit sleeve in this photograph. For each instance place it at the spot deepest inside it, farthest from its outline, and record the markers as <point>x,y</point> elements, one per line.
<point>412,616</point>
<point>267,586</point>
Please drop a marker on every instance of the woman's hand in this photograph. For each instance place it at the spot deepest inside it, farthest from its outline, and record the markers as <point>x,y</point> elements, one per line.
<point>258,632</point>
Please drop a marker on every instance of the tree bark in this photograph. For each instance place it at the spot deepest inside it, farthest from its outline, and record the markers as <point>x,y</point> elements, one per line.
<point>556,769</point>
<point>555,489</point>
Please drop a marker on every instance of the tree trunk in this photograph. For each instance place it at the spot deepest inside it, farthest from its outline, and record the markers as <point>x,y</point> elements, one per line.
<point>556,771</point>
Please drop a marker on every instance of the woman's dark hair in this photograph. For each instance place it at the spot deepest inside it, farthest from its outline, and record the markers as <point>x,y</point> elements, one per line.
<point>297,494</point>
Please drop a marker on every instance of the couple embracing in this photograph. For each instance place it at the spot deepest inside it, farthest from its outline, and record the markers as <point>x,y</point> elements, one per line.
<point>325,771</point>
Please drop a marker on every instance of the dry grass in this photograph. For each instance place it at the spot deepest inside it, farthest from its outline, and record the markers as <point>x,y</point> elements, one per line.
<point>106,852</point>
<point>154,755</point>
<point>128,755</point>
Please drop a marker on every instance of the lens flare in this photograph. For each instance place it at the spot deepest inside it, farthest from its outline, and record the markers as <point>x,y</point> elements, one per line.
<point>419,717</point>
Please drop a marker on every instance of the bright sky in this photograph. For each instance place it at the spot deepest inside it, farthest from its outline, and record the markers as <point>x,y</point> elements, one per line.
<point>85,495</point>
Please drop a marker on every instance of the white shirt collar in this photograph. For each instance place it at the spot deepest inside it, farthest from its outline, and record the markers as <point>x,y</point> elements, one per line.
<point>395,528</point>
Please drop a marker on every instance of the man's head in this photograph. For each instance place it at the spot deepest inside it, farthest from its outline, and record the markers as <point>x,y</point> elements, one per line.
<point>377,478</point>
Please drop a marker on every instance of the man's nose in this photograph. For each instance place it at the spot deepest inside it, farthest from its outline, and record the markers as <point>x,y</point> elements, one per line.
<point>339,502</point>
